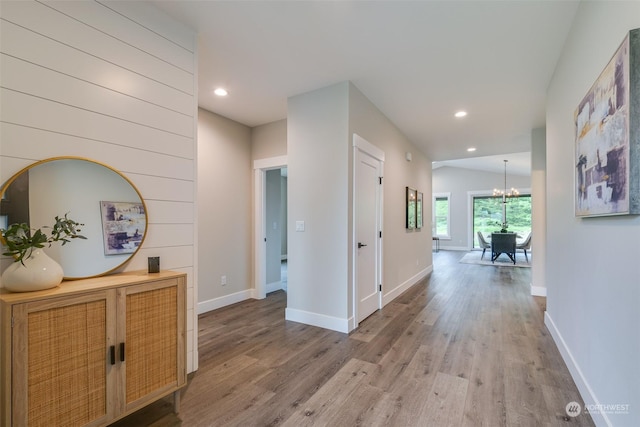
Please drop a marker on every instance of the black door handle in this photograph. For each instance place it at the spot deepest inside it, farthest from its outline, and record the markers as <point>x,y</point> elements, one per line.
<point>361,245</point>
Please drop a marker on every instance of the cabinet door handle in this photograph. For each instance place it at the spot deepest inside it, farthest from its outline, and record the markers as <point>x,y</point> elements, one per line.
<point>122,352</point>
<point>112,354</point>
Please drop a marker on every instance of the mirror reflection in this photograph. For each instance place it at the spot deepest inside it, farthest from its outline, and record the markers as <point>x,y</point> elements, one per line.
<point>109,206</point>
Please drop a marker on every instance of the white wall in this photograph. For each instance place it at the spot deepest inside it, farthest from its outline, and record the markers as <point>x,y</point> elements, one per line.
<point>113,82</point>
<point>407,255</point>
<point>317,152</point>
<point>224,211</point>
<point>269,140</point>
<point>593,292</point>
<point>538,211</point>
<point>459,182</point>
<point>320,129</point>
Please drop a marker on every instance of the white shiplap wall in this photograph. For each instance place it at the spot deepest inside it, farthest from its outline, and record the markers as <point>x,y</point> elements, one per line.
<point>115,82</point>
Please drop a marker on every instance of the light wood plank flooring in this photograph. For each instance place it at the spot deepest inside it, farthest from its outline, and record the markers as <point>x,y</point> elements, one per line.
<point>465,347</point>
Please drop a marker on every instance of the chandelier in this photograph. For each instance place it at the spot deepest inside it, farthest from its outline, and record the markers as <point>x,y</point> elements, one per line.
<point>504,193</point>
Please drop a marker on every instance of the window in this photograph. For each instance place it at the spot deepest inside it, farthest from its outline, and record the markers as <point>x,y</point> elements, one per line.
<point>441,215</point>
<point>487,215</point>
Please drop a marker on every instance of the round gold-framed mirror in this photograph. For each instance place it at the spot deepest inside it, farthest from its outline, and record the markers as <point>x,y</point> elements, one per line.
<point>90,192</point>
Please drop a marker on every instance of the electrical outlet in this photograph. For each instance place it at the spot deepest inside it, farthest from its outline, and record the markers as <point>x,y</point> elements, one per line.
<point>223,280</point>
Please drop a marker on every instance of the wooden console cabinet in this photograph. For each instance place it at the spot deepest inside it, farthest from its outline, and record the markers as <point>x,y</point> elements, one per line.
<point>91,351</point>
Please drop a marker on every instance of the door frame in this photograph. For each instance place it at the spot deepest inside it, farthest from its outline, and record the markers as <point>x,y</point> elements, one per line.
<point>260,168</point>
<point>361,144</point>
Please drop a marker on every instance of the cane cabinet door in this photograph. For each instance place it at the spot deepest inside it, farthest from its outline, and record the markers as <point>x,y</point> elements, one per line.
<point>153,330</point>
<point>61,371</point>
<point>91,351</point>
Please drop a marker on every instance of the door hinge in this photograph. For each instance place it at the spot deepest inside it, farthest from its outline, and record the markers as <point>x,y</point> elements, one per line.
<point>380,180</point>
<point>380,287</point>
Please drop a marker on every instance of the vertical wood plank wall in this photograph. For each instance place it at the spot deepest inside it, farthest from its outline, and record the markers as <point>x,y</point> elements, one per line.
<point>115,82</point>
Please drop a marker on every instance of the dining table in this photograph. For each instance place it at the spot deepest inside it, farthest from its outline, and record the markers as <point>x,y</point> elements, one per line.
<point>503,243</point>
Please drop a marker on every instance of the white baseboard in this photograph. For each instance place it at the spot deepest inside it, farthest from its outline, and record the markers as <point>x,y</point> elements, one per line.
<point>224,301</point>
<point>394,293</point>
<point>315,319</point>
<point>274,286</point>
<point>538,291</point>
<point>599,418</point>
<point>352,323</point>
<point>347,325</point>
<point>196,358</point>
<point>452,248</point>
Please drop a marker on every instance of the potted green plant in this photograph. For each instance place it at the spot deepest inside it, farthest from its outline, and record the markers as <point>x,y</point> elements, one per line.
<point>504,227</point>
<point>33,269</point>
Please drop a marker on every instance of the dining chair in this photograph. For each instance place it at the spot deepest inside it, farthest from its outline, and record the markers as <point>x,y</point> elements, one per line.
<point>525,246</point>
<point>483,244</point>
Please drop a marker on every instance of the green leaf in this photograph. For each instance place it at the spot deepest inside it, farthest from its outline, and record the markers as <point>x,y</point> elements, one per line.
<point>20,241</point>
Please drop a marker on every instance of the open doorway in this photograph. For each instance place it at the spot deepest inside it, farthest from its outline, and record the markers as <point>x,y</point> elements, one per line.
<point>270,225</point>
<point>276,229</point>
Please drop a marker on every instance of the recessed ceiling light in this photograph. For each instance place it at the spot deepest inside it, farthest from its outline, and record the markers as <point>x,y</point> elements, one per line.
<point>471,149</point>
<point>460,114</point>
<point>220,92</point>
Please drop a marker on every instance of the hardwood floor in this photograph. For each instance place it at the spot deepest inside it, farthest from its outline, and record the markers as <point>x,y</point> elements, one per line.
<point>465,347</point>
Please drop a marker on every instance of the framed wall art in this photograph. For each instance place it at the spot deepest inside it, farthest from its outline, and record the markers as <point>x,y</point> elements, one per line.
<point>412,197</point>
<point>607,125</point>
<point>123,226</point>
<point>419,211</point>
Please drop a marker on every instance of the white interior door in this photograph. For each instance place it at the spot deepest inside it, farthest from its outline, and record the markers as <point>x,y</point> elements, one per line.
<point>368,188</point>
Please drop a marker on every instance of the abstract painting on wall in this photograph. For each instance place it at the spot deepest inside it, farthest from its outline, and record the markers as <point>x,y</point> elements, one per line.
<point>608,139</point>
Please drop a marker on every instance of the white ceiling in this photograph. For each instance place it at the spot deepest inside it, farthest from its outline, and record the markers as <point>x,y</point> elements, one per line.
<point>517,163</point>
<point>417,61</point>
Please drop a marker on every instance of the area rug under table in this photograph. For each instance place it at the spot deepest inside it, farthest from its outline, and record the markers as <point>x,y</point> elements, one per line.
<point>503,260</point>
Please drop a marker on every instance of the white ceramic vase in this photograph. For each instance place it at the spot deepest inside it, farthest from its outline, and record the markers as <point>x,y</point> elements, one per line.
<point>38,272</point>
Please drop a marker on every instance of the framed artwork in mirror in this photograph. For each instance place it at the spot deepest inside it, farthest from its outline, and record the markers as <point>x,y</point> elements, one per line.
<point>412,197</point>
<point>123,225</point>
